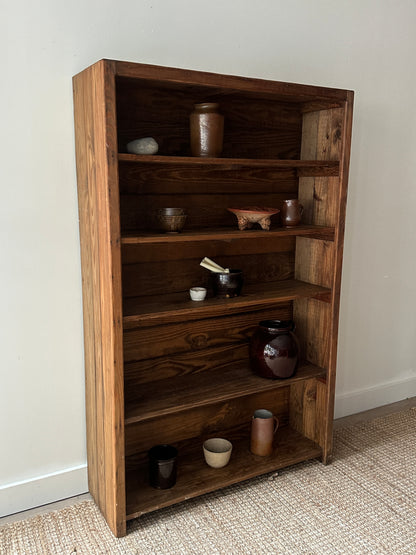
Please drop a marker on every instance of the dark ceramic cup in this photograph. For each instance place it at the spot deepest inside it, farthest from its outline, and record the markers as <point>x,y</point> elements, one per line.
<point>162,466</point>
<point>227,284</point>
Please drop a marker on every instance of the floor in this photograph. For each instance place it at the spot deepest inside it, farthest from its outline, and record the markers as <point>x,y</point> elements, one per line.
<point>340,422</point>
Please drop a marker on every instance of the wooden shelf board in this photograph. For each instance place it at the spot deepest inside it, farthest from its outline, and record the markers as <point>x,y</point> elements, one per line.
<point>154,310</point>
<point>227,234</point>
<point>201,389</point>
<point>195,477</point>
<point>306,167</point>
<point>168,77</point>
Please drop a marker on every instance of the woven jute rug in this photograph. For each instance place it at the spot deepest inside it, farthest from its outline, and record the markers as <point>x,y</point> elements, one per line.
<point>364,502</point>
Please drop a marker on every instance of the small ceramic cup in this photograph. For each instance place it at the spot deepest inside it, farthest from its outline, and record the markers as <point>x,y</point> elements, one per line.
<point>162,466</point>
<point>217,452</point>
<point>198,293</point>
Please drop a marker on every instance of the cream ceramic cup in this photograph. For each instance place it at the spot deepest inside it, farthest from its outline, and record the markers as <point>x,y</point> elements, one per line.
<point>217,452</point>
<point>198,293</point>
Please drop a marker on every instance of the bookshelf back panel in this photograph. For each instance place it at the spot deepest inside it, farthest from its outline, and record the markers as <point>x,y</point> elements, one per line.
<point>200,422</point>
<point>139,212</point>
<point>182,345</point>
<point>172,276</point>
<point>253,128</point>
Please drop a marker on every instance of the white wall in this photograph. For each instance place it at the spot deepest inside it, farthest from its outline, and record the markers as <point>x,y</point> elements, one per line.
<point>365,45</point>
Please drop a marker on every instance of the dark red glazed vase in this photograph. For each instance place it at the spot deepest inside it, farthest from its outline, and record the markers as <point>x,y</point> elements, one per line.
<point>274,349</point>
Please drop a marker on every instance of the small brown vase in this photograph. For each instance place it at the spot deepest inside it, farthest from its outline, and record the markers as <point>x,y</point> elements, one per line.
<point>207,130</point>
<point>291,212</point>
<point>263,428</point>
<point>274,349</point>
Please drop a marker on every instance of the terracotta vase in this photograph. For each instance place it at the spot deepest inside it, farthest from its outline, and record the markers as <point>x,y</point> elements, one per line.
<point>207,130</point>
<point>274,349</point>
<point>263,428</point>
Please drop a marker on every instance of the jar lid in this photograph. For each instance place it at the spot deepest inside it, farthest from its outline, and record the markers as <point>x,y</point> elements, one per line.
<point>278,324</point>
<point>207,106</point>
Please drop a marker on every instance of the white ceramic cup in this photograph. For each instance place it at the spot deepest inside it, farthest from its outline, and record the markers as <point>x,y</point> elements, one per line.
<point>217,452</point>
<point>198,293</point>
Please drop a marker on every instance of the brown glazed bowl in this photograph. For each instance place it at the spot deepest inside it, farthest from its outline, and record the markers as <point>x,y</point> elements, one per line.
<point>171,220</point>
<point>227,285</point>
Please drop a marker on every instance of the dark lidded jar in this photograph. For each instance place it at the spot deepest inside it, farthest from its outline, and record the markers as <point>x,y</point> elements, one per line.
<point>206,129</point>
<point>274,349</point>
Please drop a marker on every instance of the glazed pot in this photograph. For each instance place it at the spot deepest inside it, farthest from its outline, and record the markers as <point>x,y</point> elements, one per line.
<point>207,130</point>
<point>274,349</point>
<point>162,466</point>
<point>291,212</point>
<point>227,284</point>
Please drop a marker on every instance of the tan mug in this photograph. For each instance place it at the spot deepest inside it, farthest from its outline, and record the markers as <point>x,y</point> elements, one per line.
<point>291,212</point>
<point>263,428</point>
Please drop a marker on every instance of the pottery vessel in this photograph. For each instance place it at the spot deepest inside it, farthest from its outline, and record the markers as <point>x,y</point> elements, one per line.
<point>162,466</point>
<point>206,130</point>
<point>274,349</point>
<point>250,215</point>
<point>291,212</point>
<point>263,428</point>
<point>217,452</point>
<point>227,284</point>
<point>171,220</point>
<point>197,293</point>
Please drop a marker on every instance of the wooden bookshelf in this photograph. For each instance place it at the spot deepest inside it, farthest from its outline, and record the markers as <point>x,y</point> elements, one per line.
<point>161,368</point>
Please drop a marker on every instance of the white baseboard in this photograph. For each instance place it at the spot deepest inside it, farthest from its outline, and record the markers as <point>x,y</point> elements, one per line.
<point>21,496</point>
<point>379,395</point>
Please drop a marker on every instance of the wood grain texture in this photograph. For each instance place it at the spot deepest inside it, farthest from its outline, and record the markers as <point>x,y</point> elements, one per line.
<point>162,165</point>
<point>345,130</point>
<point>321,140</point>
<point>212,344</point>
<point>326,135</point>
<point>313,322</point>
<point>163,309</point>
<point>174,276</point>
<point>314,261</point>
<point>203,210</point>
<point>101,267</point>
<point>303,416</point>
<point>262,241</point>
<point>216,418</point>
<point>160,368</point>
<point>253,128</point>
<point>219,83</point>
<point>196,478</point>
<point>181,393</point>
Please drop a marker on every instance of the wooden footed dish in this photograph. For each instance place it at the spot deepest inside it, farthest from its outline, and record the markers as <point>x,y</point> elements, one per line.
<point>250,215</point>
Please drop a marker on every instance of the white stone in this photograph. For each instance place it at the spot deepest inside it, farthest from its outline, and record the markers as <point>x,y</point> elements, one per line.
<point>147,145</point>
